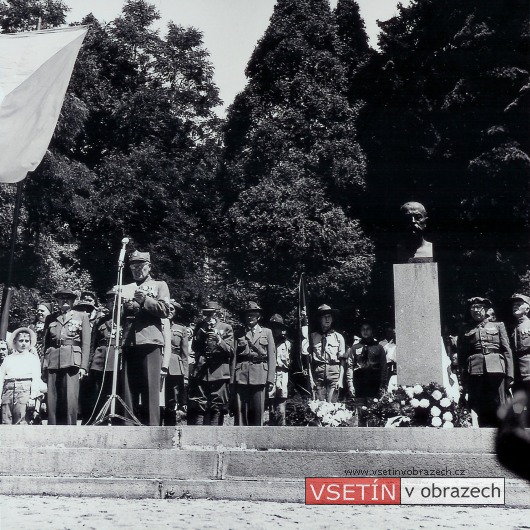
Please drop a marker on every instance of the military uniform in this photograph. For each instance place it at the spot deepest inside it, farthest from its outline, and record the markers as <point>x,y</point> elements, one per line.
<point>66,351</point>
<point>210,375</point>
<point>328,353</point>
<point>521,345</point>
<point>177,374</point>
<point>254,368</point>
<point>102,346</point>
<point>143,343</point>
<point>485,358</point>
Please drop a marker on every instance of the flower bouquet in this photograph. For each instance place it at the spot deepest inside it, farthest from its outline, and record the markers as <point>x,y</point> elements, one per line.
<point>417,406</point>
<point>330,414</point>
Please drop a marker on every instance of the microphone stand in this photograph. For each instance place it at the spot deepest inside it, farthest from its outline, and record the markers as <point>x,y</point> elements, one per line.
<point>111,401</point>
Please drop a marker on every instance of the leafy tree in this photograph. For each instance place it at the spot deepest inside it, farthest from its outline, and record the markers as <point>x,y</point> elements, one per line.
<point>134,154</point>
<point>292,170</point>
<point>445,125</point>
<point>23,15</point>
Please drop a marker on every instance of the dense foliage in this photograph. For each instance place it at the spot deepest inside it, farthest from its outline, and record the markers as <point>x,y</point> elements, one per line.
<point>309,169</point>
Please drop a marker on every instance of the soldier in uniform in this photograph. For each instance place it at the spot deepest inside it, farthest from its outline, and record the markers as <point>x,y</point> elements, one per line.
<point>213,346</point>
<point>254,368</point>
<point>146,303</point>
<point>521,340</point>
<point>485,357</point>
<point>278,395</point>
<point>101,360</point>
<point>176,387</point>
<point>328,356</point>
<point>66,352</point>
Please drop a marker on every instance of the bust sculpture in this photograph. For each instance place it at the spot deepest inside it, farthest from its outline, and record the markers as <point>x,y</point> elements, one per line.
<point>413,248</point>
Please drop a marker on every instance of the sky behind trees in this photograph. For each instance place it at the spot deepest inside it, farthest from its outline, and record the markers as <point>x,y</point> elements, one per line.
<point>231,28</point>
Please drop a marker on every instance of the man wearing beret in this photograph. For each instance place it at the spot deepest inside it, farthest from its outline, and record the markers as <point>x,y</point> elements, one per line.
<point>65,361</point>
<point>146,303</point>
<point>521,339</point>
<point>213,345</point>
<point>254,367</point>
<point>486,361</point>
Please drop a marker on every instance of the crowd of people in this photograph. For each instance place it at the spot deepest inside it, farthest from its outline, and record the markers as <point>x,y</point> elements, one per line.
<point>63,366</point>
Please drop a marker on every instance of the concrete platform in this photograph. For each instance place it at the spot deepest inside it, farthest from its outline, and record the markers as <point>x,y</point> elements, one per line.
<point>258,463</point>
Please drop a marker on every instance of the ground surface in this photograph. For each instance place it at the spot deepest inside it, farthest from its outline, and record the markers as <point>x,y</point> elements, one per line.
<point>28,513</point>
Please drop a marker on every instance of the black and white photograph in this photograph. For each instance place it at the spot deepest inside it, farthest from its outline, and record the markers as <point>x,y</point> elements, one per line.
<point>264,263</point>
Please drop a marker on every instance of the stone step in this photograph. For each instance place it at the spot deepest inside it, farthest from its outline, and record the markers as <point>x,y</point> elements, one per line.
<point>123,437</point>
<point>517,492</point>
<point>260,438</point>
<point>225,463</point>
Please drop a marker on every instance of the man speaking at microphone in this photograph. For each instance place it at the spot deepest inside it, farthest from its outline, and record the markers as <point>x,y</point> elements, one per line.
<point>146,303</point>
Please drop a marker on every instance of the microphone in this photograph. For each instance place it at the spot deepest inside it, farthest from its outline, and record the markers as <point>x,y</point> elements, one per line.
<point>124,242</point>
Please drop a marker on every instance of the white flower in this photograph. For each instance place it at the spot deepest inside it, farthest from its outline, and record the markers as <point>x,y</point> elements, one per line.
<point>409,391</point>
<point>436,422</point>
<point>448,425</point>
<point>447,416</point>
<point>364,407</point>
<point>435,411</point>
<point>376,400</point>
<point>424,403</point>
<point>403,402</point>
<point>415,403</point>
<point>437,395</point>
<point>418,389</point>
<point>445,402</point>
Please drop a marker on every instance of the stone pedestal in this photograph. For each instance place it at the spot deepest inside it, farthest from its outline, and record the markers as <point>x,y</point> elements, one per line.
<point>418,332</point>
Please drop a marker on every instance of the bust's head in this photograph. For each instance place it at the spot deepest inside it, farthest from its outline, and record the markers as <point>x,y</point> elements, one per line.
<point>413,218</point>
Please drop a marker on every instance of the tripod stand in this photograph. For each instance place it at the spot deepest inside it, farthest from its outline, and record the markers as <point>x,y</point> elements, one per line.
<point>104,414</point>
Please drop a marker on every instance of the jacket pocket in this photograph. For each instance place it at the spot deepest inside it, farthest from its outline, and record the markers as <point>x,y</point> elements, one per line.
<point>495,363</point>
<point>76,356</point>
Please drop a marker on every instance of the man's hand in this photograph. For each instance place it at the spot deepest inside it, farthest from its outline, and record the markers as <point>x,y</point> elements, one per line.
<point>82,373</point>
<point>270,386</point>
<point>163,374</point>
<point>139,296</point>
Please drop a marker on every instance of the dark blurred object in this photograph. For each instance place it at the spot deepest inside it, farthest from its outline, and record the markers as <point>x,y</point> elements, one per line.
<point>513,441</point>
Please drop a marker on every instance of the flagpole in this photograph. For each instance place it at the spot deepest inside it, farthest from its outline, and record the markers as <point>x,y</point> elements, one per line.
<point>6,294</point>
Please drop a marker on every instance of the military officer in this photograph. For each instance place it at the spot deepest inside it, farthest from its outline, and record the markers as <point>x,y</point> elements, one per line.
<point>521,339</point>
<point>146,303</point>
<point>485,357</point>
<point>101,360</point>
<point>213,346</point>
<point>176,387</point>
<point>254,367</point>
<point>66,352</point>
<point>278,394</point>
<point>327,349</point>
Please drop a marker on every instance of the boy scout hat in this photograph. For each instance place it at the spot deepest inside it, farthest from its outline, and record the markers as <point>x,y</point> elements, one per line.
<point>64,292</point>
<point>30,332</point>
<point>522,297</point>
<point>277,321</point>
<point>84,306</point>
<point>252,306</point>
<point>139,257</point>
<point>92,294</point>
<point>325,309</point>
<point>480,300</point>
<point>211,307</point>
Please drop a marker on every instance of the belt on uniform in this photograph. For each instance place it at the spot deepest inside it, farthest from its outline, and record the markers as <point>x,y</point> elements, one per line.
<point>17,379</point>
<point>486,351</point>
<point>67,342</point>
<point>253,360</point>
<point>332,363</point>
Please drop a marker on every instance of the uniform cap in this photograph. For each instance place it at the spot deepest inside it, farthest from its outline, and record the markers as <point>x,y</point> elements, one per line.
<point>211,306</point>
<point>522,297</point>
<point>64,292</point>
<point>176,306</point>
<point>480,300</point>
<point>84,306</point>
<point>252,306</point>
<point>111,292</point>
<point>92,294</point>
<point>325,309</point>
<point>277,320</point>
<point>139,257</point>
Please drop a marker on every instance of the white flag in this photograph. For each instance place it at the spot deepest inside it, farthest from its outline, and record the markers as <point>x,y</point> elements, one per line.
<point>35,69</point>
